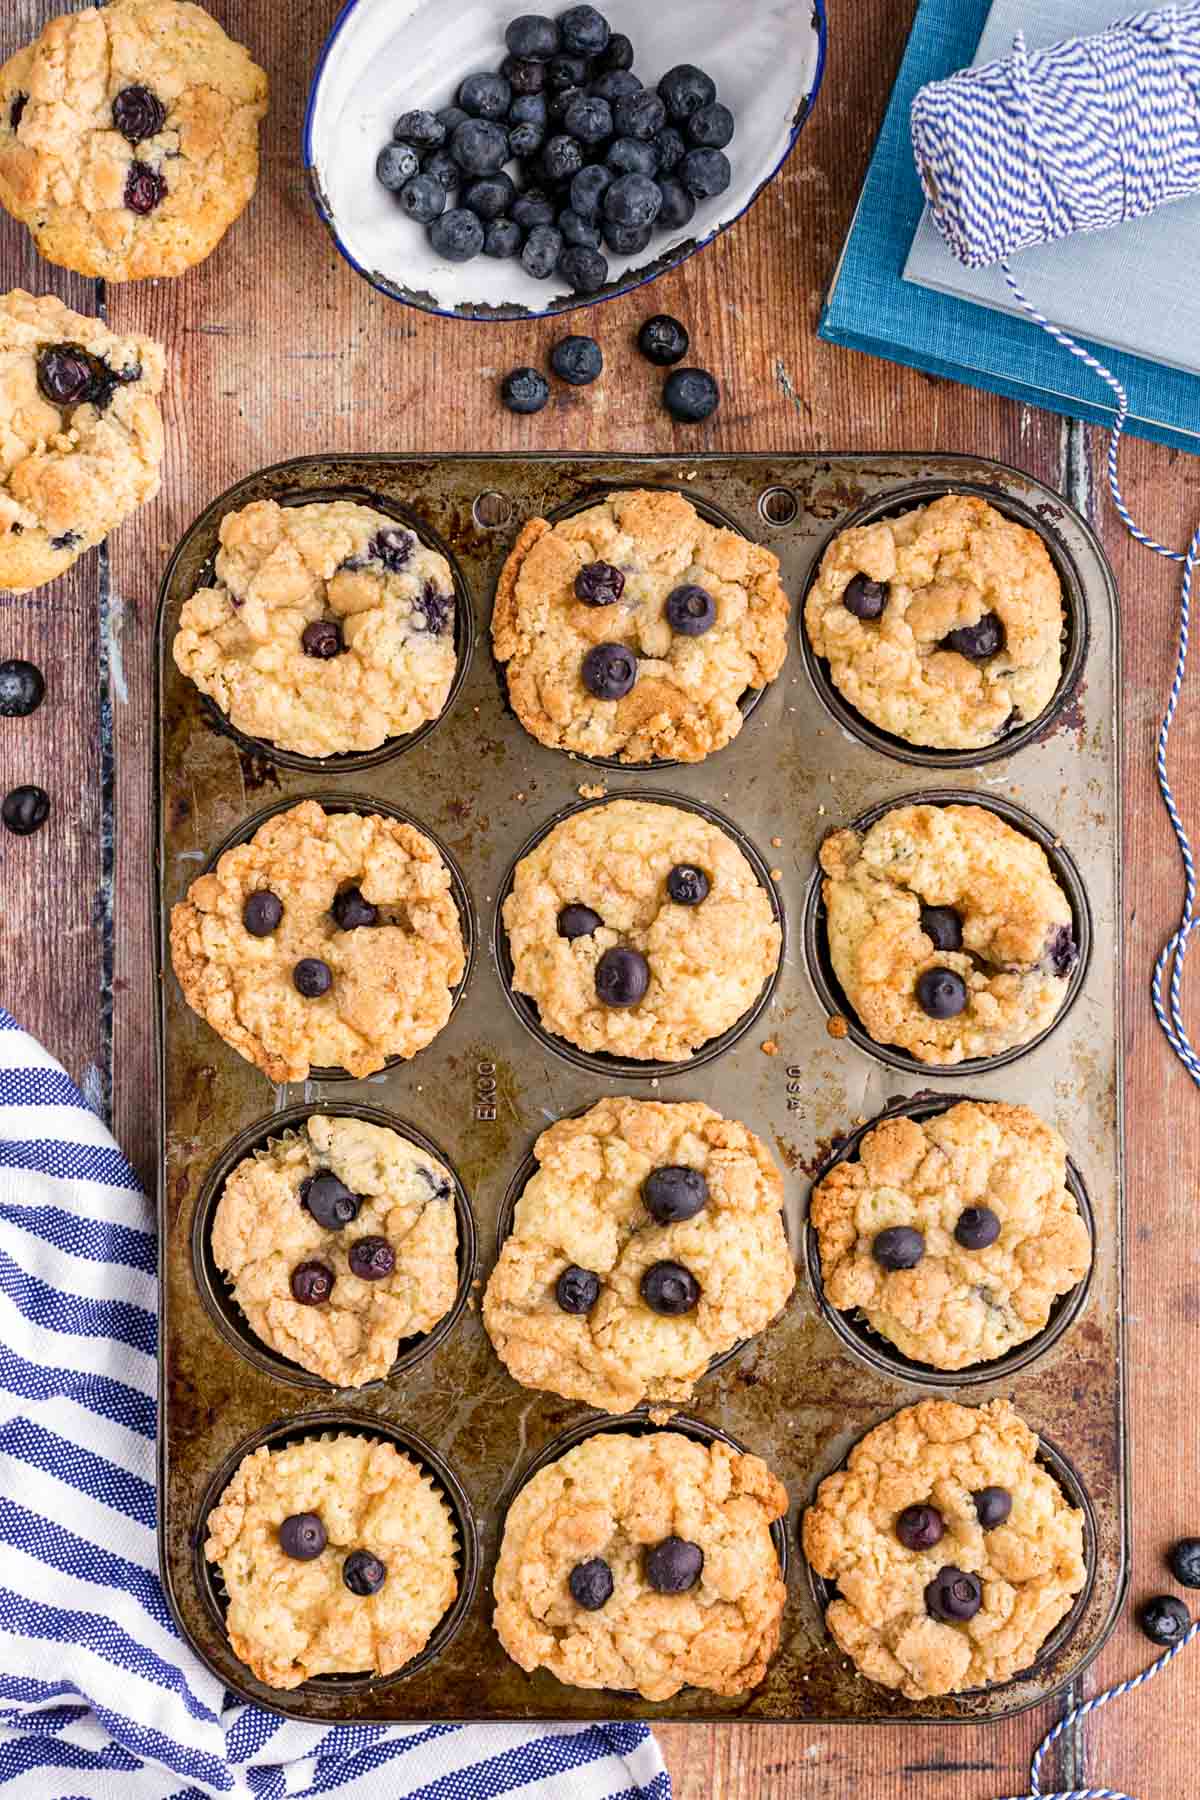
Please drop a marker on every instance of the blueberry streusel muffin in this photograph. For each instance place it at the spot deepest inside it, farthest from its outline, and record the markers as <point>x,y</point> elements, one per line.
<point>329,627</point>
<point>953,1235</point>
<point>948,931</point>
<point>339,1241</point>
<point>339,1556</point>
<point>942,626</point>
<point>329,938</point>
<point>129,137</point>
<point>650,1240</point>
<point>634,628</point>
<point>644,1562</point>
<point>954,1552</point>
<point>639,929</point>
<point>81,434</point>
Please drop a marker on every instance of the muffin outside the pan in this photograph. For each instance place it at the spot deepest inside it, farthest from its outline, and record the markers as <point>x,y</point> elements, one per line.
<point>948,931</point>
<point>954,1552</point>
<point>339,1556</point>
<point>328,939</point>
<point>632,629</point>
<point>942,625</point>
<point>649,1241</point>
<point>952,1235</point>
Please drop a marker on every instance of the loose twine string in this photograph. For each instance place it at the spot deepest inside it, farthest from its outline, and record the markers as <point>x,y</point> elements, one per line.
<point>1080,137</point>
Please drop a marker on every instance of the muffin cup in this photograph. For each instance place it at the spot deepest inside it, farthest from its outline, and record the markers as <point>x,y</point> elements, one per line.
<point>870,1346</point>
<point>1056,1464</point>
<point>216,1289</point>
<point>829,989</point>
<point>1075,641</point>
<point>599,1062</point>
<point>349,761</point>
<point>363,803</point>
<point>326,1424</point>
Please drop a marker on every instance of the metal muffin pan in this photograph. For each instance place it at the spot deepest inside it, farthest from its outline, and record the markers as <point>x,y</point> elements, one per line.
<point>487,1086</point>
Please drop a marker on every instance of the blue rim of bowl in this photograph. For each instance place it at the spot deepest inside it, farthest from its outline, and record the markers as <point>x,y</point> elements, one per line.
<point>628,284</point>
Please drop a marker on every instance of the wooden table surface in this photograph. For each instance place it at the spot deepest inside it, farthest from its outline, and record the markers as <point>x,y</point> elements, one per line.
<point>276,348</point>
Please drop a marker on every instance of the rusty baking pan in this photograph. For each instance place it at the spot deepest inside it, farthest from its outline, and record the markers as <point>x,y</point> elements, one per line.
<point>803,1392</point>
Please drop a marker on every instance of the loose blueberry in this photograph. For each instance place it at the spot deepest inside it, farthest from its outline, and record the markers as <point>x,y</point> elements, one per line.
<point>710,127</point>
<point>25,810</point>
<point>22,688</point>
<point>563,72</point>
<point>705,173</point>
<point>262,913</point>
<point>992,1506</point>
<point>363,1573</point>
<point>562,158</point>
<point>920,1527</point>
<point>898,1247</point>
<point>145,189</point>
<point>685,89</point>
<point>138,114</point>
<point>687,885</point>
<point>628,156</point>
<point>670,1289</point>
<point>941,994</point>
<point>977,1227</point>
<point>424,130</point>
<point>312,1283</point>
<point>953,1596</point>
<point>372,1259</point>
<point>576,921</point>
<point>479,147</point>
<point>491,196</point>
<point>589,188</point>
<point>615,84</point>
<point>302,1536</point>
<point>457,235</point>
<point>584,31</point>
<point>590,119</point>
<point>312,977</point>
<point>423,198</point>
<point>641,115</point>
<point>591,1584</point>
<point>663,340</point>
<point>617,54</point>
<point>579,360</point>
<point>673,1566</point>
<point>393,547</point>
<point>633,200</point>
<point>1185,1562</point>
<point>533,209</point>
<point>442,168</point>
<point>351,912</point>
<point>609,671</point>
<point>523,77</point>
<point>979,641</point>
<point>691,611</point>
<point>942,926</point>
<point>525,391</point>
<point>502,239</point>
<point>627,240</point>
<point>578,233</point>
<point>541,251</point>
<point>691,395</point>
<point>1062,952</point>
<point>396,164</point>
<point>1164,1620</point>
<point>577,1290</point>
<point>622,976</point>
<point>329,1201</point>
<point>65,374</point>
<point>532,35</point>
<point>322,638</point>
<point>670,149</point>
<point>599,584</point>
<point>485,95</point>
<point>526,140</point>
<point>865,598</point>
<point>673,1194</point>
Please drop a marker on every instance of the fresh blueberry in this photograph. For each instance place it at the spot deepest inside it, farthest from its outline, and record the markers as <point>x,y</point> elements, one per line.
<point>322,639</point>
<point>584,31</point>
<point>532,35</point>
<point>425,130</point>
<point>670,1289</point>
<point>145,188</point>
<point>691,395</point>
<point>312,977</point>
<point>541,251</point>
<point>577,1290</point>
<point>977,1228</point>
<point>705,173</point>
<point>441,166</point>
<point>579,360</point>
<point>526,140</point>
<point>502,237</point>
<point>622,976</point>
<point>450,118</point>
<point>363,1573</point>
<point>1062,952</point>
<point>588,189</point>
<point>992,1506</point>
<point>560,104</point>
<point>663,340</point>
<point>678,206</point>
<point>351,912</point>
<point>865,598</point>
<point>480,147</point>
<point>673,1566</point>
<point>599,583</point>
<point>396,164</point>
<point>591,1584</point>
<point>262,913</point>
<point>685,89</point>
<point>691,611</point>
<point>687,885</point>
<point>302,1536</point>
<point>941,994</point>
<point>312,1282</point>
<point>590,119</point>
<point>641,115</point>
<point>578,233</point>
<point>22,688</point>
<point>617,54</point>
<point>525,391</point>
<point>25,810</point>
<point>563,72</point>
<point>979,641</point>
<point>628,156</point>
<point>532,209</point>
<point>627,240</point>
<point>633,200</point>
<point>1164,1620</point>
<point>615,84</point>
<point>529,109</point>
<point>485,95</point>
<point>1185,1562</point>
<point>953,1596</point>
<point>670,149</point>
<point>138,114</point>
<point>576,921</point>
<point>372,1259</point>
<point>710,127</point>
<point>457,235</point>
<point>920,1527</point>
<point>423,198</point>
<point>898,1247</point>
<point>329,1201</point>
<point>609,671</point>
<point>490,197</point>
<point>562,158</point>
<point>523,77</point>
<point>942,926</point>
<point>673,1194</point>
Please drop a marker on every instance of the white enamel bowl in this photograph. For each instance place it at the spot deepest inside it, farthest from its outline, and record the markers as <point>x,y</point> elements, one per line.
<point>383,57</point>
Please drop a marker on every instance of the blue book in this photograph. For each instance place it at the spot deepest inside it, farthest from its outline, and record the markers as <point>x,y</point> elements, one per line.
<point>872,307</point>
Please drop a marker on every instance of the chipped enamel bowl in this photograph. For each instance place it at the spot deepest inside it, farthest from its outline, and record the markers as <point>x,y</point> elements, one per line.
<point>384,57</point>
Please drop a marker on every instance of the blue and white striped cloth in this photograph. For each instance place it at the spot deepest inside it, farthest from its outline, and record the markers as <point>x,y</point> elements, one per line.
<point>99,1697</point>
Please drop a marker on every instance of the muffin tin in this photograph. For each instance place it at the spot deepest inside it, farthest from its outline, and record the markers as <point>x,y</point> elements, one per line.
<point>798,1395</point>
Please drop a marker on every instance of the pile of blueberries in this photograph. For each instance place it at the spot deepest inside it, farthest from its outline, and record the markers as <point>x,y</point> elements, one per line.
<point>23,810</point>
<point>689,395</point>
<point>601,160</point>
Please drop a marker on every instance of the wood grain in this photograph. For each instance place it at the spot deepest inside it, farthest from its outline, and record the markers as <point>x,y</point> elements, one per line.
<point>278,349</point>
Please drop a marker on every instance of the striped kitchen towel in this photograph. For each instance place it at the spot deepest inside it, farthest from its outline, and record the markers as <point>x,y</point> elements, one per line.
<point>99,1697</point>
